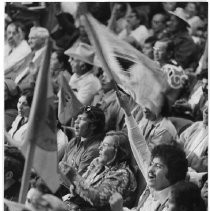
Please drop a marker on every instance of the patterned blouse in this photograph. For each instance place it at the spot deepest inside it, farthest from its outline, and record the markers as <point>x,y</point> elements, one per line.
<point>99,182</point>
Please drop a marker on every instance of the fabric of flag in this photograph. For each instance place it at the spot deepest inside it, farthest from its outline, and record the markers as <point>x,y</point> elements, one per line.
<point>42,127</point>
<point>125,64</point>
<point>18,67</point>
<point>68,104</point>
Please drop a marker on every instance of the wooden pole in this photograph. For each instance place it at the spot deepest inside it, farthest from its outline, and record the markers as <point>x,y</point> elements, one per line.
<point>27,172</point>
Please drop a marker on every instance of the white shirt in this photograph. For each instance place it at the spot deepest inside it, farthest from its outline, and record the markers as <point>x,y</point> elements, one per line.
<point>17,54</point>
<point>140,34</point>
<point>85,87</point>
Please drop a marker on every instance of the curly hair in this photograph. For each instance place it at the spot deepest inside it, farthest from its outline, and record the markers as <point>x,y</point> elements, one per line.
<point>13,161</point>
<point>96,116</point>
<point>175,160</point>
<point>187,195</point>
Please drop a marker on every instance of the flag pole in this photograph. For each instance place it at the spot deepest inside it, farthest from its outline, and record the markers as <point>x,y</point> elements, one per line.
<point>27,172</point>
<point>33,124</point>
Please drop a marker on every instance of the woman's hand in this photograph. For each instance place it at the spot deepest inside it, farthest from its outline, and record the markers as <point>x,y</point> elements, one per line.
<point>68,171</point>
<point>124,101</point>
<point>116,202</point>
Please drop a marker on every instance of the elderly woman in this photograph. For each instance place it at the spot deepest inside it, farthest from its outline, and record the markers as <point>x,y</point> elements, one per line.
<point>108,173</point>
<point>20,124</point>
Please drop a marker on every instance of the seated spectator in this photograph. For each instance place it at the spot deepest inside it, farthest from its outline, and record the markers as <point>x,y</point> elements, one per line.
<point>185,50</point>
<point>38,37</point>
<point>108,173</point>
<point>136,30</point>
<point>20,124</point>
<point>106,100</point>
<point>59,65</point>
<point>89,130</point>
<point>193,107</point>
<point>118,22</point>
<point>195,143</point>
<point>173,72</point>
<point>11,96</point>
<point>83,82</point>
<point>190,12</point>
<point>13,170</point>
<point>148,47</point>
<point>16,47</point>
<point>185,196</point>
<point>155,126</point>
<point>158,24</point>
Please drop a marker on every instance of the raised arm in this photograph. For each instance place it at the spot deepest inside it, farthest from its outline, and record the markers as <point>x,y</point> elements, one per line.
<point>138,144</point>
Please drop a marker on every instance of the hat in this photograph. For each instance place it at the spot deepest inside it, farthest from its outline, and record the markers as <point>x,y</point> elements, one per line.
<point>179,14</point>
<point>83,52</point>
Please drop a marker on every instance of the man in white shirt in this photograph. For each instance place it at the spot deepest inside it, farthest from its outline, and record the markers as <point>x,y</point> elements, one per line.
<point>161,169</point>
<point>16,47</point>
<point>38,37</point>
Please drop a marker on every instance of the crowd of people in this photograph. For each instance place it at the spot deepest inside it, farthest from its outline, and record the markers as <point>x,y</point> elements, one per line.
<point>116,154</point>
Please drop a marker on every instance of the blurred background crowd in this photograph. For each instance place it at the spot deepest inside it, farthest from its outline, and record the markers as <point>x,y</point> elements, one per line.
<point>104,170</point>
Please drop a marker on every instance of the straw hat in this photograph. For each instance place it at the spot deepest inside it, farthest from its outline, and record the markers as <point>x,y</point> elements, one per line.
<point>83,52</point>
<point>179,14</point>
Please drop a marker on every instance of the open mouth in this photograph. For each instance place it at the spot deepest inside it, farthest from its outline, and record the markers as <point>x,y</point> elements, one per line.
<point>151,176</point>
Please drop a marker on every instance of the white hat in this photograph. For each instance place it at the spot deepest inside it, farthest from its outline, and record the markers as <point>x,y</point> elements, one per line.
<point>83,52</point>
<point>179,14</point>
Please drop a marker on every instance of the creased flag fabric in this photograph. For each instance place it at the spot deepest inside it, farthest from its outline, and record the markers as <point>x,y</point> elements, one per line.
<point>125,64</point>
<point>68,104</point>
<point>42,127</point>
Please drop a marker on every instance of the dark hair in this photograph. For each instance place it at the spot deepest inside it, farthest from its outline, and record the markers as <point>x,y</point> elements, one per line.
<point>62,58</point>
<point>89,67</point>
<point>175,160</point>
<point>18,25</point>
<point>187,195</point>
<point>96,116</point>
<point>151,40</point>
<point>165,108</point>
<point>13,161</point>
<point>141,15</point>
<point>122,145</point>
<point>28,93</point>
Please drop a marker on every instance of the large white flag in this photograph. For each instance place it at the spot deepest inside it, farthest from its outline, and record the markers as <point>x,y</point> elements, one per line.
<point>125,64</point>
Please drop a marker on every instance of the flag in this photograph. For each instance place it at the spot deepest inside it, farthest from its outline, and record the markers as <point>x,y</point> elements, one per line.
<point>42,127</point>
<point>125,64</point>
<point>18,67</point>
<point>68,104</point>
